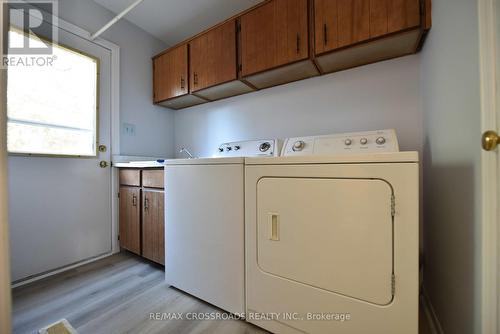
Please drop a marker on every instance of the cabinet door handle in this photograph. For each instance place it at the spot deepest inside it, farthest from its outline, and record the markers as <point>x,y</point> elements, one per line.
<point>298,43</point>
<point>134,200</point>
<point>146,204</point>
<point>182,83</point>
<point>325,34</point>
<point>195,79</point>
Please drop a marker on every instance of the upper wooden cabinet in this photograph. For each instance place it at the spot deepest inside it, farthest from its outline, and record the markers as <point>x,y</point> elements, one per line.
<point>213,57</point>
<point>213,63</point>
<point>272,36</point>
<point>170,79</point>
<point>341,23</point>
<point>357,32</point>
<point>280,41</point>
<point>171,74</point>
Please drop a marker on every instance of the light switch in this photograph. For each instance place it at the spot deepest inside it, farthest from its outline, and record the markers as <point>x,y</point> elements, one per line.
<point>128,129</point>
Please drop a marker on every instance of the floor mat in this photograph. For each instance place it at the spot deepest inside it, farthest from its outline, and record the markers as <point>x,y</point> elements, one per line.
<point>60,327</point>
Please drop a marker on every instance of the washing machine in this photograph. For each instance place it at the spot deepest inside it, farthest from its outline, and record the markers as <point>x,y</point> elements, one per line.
<point>204,223</point>
<point>331,236</point>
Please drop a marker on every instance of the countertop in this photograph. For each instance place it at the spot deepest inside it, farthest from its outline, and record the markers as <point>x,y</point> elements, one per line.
<point>123,161</point>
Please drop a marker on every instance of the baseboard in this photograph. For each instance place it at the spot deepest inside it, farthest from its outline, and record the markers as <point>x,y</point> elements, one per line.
<point>430,314</point>
<point>57,271</point>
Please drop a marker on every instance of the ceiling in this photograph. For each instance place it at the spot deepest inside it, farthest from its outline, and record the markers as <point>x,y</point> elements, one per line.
<point>173,21</point>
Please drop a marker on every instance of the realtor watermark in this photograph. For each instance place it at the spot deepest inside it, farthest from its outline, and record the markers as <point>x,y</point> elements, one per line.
<point>32,33</point>
<point>273,316</point>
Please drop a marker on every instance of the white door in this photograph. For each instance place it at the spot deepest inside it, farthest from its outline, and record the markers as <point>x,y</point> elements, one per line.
<point>489,47</point>
<point>60,204</point>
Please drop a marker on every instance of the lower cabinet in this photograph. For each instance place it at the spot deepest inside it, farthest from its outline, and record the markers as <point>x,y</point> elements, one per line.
<point>130,219</point>
<point>142,223</point>
<point>153,225</point>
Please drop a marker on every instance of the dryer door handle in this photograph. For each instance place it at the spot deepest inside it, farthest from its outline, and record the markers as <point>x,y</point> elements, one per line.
<point>274,227</point>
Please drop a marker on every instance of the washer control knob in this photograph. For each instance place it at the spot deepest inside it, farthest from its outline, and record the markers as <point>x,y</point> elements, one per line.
<point>380,141</point>
<point>237,148</point>
<point>229,148</point>
<point>363,141</point>
<point>298,146</point>
<point>221,149</point>
<point>264,147</point>
<point>348,142</point>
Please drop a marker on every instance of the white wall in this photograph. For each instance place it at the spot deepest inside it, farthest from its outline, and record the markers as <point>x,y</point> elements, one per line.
<point>154,125</point>
<point>378,96</point>
<point>451,103</point>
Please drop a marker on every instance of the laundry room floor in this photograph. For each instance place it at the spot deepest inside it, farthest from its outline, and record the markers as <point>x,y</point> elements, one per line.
<point>117,295</point>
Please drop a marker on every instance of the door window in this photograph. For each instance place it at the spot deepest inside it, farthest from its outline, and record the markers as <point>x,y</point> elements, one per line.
<point>52,109</point>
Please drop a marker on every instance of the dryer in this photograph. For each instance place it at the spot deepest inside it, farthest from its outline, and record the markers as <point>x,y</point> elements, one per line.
<point>331,236</point>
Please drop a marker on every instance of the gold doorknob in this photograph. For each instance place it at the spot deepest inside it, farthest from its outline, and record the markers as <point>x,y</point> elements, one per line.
<point>490,140</point>
<point>103,164</point>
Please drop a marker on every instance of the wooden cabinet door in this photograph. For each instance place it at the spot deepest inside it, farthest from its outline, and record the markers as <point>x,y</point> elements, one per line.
<point>353,21</point>
<point>325,25</point>
<point>274,34</point>
<point>153,225</point>
<point>170,74</point>
<point>213,57</point>
<point>340,23</point>
<point>130,219</point>
<point>388,16</point>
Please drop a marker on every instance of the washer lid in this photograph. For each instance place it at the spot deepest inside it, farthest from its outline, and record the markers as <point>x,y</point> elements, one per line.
<point>204,161</point>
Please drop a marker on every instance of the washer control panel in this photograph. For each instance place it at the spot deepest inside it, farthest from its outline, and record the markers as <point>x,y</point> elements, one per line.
<point>250,148</point>
<point>345,143</point>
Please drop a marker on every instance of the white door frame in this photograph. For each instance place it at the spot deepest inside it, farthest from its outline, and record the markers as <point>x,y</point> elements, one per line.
<point>490,256</point>
<point>115,131</point>
<point>5,299</point>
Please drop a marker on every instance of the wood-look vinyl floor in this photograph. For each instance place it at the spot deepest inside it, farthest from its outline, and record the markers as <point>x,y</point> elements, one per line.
<point>113,296</point>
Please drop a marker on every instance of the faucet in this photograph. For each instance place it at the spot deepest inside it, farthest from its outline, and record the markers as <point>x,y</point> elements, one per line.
<point>185,150</point>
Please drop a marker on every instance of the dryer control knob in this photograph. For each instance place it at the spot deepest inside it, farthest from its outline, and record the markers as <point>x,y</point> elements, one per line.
<point>264,147</point>
<point>381,141</point>
<point>237,148</point>
<point>298,146</point>
<point>229,148</point>
<point>363,141</point>
<point>348,142</point>
<point>221,149</point>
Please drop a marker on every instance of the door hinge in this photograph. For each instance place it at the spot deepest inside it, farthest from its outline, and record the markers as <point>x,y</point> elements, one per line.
<point>118,195</point>
<point>393,284</point>
<point>118,237</point>
<point>393,205</point>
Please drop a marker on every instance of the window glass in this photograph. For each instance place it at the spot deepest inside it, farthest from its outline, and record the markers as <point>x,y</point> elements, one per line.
<point>52,110</point>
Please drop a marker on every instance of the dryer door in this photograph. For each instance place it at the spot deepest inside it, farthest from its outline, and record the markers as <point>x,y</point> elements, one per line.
<point>331,234</point>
